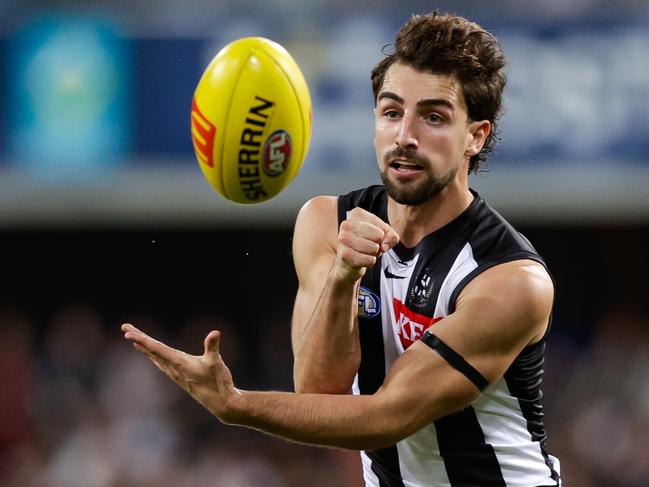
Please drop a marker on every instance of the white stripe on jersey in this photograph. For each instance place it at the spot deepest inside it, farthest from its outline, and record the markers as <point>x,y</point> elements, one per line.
<point>505,428</point>
<point>463,265</point>
<point>419,458</point>
<point>394,288</point>
<point>371,480</point>
<point>418,466</point>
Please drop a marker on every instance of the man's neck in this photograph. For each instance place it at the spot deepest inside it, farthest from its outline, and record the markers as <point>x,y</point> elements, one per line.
<point>413,223</point>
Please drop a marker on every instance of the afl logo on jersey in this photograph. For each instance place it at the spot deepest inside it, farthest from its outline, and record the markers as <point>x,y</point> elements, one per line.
<point>369,304</point>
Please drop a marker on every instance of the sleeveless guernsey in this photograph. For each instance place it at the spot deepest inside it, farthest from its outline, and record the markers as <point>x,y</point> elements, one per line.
<point>499,440</point>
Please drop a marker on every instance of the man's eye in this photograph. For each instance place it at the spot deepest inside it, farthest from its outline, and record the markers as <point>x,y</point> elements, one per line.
<point>434,118</point>
<point>391,114</point>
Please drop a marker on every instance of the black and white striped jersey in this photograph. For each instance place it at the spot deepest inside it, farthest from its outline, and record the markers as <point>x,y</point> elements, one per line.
<point>499,440</point>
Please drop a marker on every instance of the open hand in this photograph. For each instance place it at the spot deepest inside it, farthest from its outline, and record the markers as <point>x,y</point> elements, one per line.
<point>205,377</point>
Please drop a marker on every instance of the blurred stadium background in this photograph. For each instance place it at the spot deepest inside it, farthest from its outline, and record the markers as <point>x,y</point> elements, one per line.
<point>105,217</point>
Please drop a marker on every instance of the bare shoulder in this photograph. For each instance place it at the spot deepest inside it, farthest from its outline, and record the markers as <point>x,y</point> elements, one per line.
<point>316,229</point>
<point>521,290</point>
<point>314,251</point>
<point>317,218</point>
<point>318,207</point>
<point>521,281</point>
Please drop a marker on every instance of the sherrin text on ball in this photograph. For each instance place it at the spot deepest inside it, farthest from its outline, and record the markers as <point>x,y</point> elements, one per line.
<point>251,120</point>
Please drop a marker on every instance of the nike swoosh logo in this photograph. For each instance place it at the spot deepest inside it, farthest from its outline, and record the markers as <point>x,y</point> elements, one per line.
<point>389,275</point>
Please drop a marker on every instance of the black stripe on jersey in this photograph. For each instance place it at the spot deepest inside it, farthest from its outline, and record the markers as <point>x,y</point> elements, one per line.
<point>385,463</point>
<point>468,459</point>
<point>371,373</point>
<point>523,380</point>
<point>455,360</point>
<point>369,199</point>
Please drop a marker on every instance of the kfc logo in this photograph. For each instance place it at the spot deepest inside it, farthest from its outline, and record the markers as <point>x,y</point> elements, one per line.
<point>411,326</point>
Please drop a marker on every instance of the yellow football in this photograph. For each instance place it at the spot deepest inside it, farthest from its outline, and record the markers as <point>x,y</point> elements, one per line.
<point>251,120</point>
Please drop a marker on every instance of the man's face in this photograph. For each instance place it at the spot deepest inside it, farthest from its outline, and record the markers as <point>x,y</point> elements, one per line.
<point>422,133</point>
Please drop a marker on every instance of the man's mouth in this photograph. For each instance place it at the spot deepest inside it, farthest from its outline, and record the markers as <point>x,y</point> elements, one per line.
<point>405,165</point>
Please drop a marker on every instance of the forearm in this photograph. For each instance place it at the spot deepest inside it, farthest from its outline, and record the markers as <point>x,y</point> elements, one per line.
<point>327,351</point>
<point>419,388</point>
<point>340,421</point>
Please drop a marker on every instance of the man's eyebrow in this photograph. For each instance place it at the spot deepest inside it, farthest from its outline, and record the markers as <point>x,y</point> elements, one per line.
<point>390,95</point>
<point>436,102</point>
<point>421,103</point>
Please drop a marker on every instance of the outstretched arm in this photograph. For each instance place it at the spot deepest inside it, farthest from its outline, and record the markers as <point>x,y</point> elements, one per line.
<point>498,314</point>
<point>343,421</point>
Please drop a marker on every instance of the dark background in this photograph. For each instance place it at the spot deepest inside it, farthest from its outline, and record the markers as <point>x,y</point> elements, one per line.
<point>65,293</point>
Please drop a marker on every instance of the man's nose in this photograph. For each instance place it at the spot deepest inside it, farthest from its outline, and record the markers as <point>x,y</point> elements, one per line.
<point>406,136</point>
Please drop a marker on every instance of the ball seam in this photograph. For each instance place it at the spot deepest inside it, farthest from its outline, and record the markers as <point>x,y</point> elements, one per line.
<point>304,146</point>
<point>252,51</point>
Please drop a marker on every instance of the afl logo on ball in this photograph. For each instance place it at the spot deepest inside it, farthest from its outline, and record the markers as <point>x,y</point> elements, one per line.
<point>277,153</point>
<point>369,304</point>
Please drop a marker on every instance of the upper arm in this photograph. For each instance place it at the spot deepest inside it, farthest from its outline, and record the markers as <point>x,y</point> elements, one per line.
<point>502,311</point>
<point>314,251</point>
<point>497,315</point>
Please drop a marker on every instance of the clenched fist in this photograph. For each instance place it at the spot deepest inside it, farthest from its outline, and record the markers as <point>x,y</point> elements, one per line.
<point>362,238</point>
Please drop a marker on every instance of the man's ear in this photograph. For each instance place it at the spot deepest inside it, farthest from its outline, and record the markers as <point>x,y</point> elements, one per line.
<point>477,136</point>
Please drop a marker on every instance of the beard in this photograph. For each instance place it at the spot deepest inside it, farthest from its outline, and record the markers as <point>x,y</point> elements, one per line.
<point>414,193</point>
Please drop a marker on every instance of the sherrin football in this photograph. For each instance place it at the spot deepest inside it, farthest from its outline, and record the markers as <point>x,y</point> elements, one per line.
<point>251,120</point>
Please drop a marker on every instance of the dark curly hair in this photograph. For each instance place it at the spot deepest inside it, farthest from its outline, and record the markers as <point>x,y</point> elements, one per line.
<point>452,45</point>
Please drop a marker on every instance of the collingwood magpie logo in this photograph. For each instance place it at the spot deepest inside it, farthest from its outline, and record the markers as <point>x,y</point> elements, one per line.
<point>369,304</point>
<point>422,290</point>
